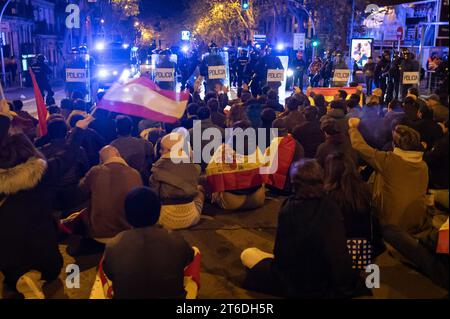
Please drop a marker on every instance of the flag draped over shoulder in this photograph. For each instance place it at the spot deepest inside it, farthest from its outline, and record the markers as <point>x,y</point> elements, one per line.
<point>228,170</point>
<point>143,98</point>
<point>280,154</point>
<point>329,93</point>
<point>40,105</point>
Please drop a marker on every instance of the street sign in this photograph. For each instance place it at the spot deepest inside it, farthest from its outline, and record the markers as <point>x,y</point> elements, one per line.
<point>411,78</point>
<point>259,38</point>
<point>217,72</point>
<point>341,75</point>
<point>76,75</point>
<point>164,74</point>
<point>185,35</point>
<point>275,75</point>
<point>299,41</point>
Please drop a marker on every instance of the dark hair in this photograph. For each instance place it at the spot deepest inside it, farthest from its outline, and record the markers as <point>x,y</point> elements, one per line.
<point>394,104</point>
<point>246,96</point>
<point>426,112</point>
<point>249,143</point>
<point>352,103</point>
<point>57,128</point>
<point>203,113</point>
<point>292,104</point>
<point>311,113</point>
<point>49,100</point>
<point>192,108</point>
<point>53,109</point>
<point>414,91</point>
<point>406,138</point>
<point>210,95</point>
<point>66,104</point>
<point>344,184</point>
<point>79,105</point>
<point>330,127</point>
<point>353,84</point>
<point>77,95</point>
<point>268,115</point>
<point>410,101</point>
<point>17,105</point>
<point>213,105</point>
<point>307,179</point>
<point>265,90</point>
<point>142,207</point>
<point>342,94</point>
<point>262,99</point>
<point>74,119</point>
<point>337,105</point>
<point>272,95</point>
<point>124,125</point>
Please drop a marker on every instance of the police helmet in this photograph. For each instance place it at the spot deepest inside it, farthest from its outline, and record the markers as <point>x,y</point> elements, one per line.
<point>40,58</point>
<point>165,52</point>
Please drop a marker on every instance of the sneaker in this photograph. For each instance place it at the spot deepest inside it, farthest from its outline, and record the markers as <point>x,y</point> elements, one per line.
<point>30,285</point>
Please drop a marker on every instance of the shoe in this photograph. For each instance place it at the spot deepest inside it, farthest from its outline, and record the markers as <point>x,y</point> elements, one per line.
<point>30,285</point>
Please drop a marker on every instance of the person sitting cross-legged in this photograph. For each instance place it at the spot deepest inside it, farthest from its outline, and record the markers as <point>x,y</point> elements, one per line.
<point>175,179</point>
<point>147,261</point>
<point>310,257</point>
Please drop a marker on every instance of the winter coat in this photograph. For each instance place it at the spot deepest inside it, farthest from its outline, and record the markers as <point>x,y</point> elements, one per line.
<point>335,143</point>
<point>310,136</point>
<point>438,163</point>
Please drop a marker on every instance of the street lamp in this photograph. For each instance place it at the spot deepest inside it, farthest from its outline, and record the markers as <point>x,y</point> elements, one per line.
<point>1,48</point>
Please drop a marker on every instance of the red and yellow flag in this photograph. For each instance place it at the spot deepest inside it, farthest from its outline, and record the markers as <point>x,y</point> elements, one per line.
<point>40,105</point>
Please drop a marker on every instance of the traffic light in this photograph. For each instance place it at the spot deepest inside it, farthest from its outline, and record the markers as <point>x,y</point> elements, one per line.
<point>315,43</point>
<point>245,4</point>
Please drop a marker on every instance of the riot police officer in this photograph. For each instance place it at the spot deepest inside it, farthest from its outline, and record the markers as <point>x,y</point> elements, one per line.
<point>76,65</point>
<point>240,64</point>
<point>408,64</point>
<point>268,62</point>
<point>213,69</point>
<point>250,74</point>
<point>382,71</point>
<point>393,87</point>
<point>339,64</point>
<point>42,72</point>
<point>165,71</point>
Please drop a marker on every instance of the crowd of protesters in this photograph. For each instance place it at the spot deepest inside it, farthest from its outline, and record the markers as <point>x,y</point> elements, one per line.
<point>348,171</point>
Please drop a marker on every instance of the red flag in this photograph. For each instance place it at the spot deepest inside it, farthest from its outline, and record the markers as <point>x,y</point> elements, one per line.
<point>40,105</point>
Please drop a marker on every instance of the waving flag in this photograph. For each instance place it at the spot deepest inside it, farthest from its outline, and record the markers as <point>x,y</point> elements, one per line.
<point>143,98</point>
<point>40,105</point>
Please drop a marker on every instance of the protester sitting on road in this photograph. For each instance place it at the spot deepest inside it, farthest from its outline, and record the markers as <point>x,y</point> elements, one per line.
<point>440,111</point>
<point>309,134</point>
<point>137,152</point>
<point>400,180</point>
<point>218,118</point>
<point>175,179</point>
<point>371,123</point>
<point>28,233</point>
<point>147,261</point>
<point>352,104</point>
<point>107,185</point>
<point>104,125</point>
<point>190,115</point>
<point>273,101</point>
<point>233,186</point>
<point>337,112</point>
<point>429,130</point>
<point>310,257</point>
<point>18,108</point>
<point>321,104</point>
<point>335,141</point>
<point>344,185</point>
<point>67,196</point>
<point>268,115</point>
<point>292,116</point>
<point>66,107</point>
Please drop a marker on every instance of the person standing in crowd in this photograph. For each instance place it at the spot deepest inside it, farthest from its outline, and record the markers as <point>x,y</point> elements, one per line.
<point>157,273</point>
<point>42,72</point>
<point>396,202</point>
<point>314,71</point>
<point>310,257</point>
<point>299,66</point>
<point>240,65</point>
<point>369,73</point>
<point>309,134</point>
<point>28,233</point>
<point>137,152</point>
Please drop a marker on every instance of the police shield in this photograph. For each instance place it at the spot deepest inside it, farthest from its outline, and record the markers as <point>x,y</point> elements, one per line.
<point>215,69</point>
<point>164,71</point>
<point>77,75</point>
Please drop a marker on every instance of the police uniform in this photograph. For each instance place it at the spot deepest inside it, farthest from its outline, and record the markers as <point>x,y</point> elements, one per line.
<point>408,64</point>
<point>164,62</point>
<point>42,71</point>
<point>268,62</point>
<point>241,63</point>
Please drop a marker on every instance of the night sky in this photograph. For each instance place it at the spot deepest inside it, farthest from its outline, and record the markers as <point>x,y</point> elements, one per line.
<point>165,8</point>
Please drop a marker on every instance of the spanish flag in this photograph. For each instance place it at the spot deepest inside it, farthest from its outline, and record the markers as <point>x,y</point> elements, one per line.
<point>280,155</point>
<point>40,105</point>
<point>228,170</point>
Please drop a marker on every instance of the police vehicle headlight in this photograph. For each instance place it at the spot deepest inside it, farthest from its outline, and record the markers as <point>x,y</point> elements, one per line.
<point>289,72</point>
<point>103,73</point>
<point>185,49</point>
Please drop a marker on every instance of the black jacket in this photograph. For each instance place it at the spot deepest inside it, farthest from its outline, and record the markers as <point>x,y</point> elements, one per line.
<point>311,256</point>
<point>28,232</point>
<point>438,163</point>
<point>335,143</point>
